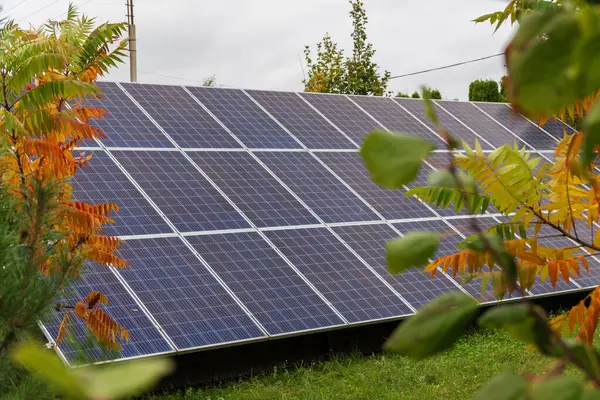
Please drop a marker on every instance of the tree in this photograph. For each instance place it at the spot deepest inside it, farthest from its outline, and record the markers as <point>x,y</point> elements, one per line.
<point>415,95</point>
<point>538,199</point>
<point>46,75</point>
<point>435,94</point>
<point>210,81</point>
<point>358,74</point>
<point>481,90</point>
<point>402,94</point>
<point>503,83</point>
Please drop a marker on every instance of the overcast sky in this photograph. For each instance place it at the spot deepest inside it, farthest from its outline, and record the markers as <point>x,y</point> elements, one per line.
<point>255,44</point>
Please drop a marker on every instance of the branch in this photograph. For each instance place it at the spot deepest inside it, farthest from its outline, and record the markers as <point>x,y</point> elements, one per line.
<point>568,195</point>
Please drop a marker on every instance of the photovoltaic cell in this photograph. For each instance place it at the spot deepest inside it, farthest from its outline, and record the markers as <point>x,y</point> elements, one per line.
<point>456,129</point>
<point>344,114</point>
<point>104,182</point>
<point>190,305</point>
<point>392,204</point>
<point>180,191</point>
<point>485,127</point>
<point>275,294</point>
<point>126,125</point>
<point>557,128</point>
<point>317,187</point>
<point>244,118</point>
<point>393,117</point>
<point>347,283</point>
<point>417,287</point>
<point>145,339</point>
<point>248,184</point>
<point>520,126</point>
<point>181,116</point>
<point>301,120</point>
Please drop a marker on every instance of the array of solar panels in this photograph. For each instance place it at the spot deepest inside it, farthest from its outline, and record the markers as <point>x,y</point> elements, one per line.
<point>249,215</point>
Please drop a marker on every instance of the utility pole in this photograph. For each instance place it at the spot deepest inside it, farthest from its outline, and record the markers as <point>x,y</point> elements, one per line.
<point>132,45</point>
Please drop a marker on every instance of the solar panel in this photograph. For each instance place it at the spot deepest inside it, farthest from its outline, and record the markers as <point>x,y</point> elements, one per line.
<point>454,127</point>
<point>104,182</point>
<point>244,118</point>
<point>392,204</point>
<point>126,125</point>
<point>415,286</point>
<point>145,338</point>
<point>190,305</point>
<point>276,295</point>
<point>301,120</point>
<point>317,187</point>
<point>181,116</point>
<point>344,114</point>
<point>352,289</point>
<point>485,127</point>
<point>557,129</point>
<point>262,220</point>
<point>520,126</point>
<point>180,191</point>
<point>394,118</point>
<point>248,184</point>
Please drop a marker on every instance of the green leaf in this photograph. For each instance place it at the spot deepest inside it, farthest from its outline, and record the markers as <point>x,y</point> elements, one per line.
<point>435,327</point>
<point>559,388</point>
<point>394,160</point>
<point>126,379</point>
<point>441,178</point>
<point>583,352</point>
<point>591,139</point>
<point>47,366</point>
<point>542,78</point>
<point>522,325</point>
<point>504,387</point>
<point>499,316</point>
<point>412,250</point>
<point>590,394</point>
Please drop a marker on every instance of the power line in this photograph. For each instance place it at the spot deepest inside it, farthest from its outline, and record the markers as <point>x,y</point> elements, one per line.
<point>447,66</point>
<point>15,6</point>
<point>171,76</point>
<point>76,5</point>
<point>38,10</point>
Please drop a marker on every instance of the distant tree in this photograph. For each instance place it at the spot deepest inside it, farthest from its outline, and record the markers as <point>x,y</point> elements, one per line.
<point>402,94</point>
<point>210,81</point>
<point>415,95</point>
<point>481,90</point>
<point>435,94</point>
<point>358,74</point>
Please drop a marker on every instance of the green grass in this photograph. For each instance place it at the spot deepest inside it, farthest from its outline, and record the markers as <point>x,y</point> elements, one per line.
<point>456,374</point>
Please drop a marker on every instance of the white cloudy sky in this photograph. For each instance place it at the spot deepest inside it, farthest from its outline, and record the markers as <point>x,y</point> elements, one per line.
<point>255,44</point>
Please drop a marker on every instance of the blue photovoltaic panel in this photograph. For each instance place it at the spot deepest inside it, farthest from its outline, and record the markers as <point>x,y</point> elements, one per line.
<point>186,122</point>
<point>347,283</point>
<point>145,339</point>
<point>392,204</point>
<point>485,127</point>
<point>301,120</point>
<point>248,184</point>
<point>454,127</point>
<point>104,182</point>
<point>317,187</point>
<point>191,306</point>
<point>126,125</point>
<point>417,287</point>
<point>344,114</point>
<point>275,294</point>
<point>520,126</point>
<point>244,118</point>
<point>557,128</point>
<point>393,117</point>
<point>180,191</point>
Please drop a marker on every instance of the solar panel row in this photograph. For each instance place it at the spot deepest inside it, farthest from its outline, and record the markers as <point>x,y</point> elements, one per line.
<point>250,215</point>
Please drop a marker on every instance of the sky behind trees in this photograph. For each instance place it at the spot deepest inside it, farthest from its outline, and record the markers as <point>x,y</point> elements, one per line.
<point>256,44</point>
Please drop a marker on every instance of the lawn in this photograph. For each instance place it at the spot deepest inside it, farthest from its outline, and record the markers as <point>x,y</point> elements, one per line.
<point>456,374</point>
